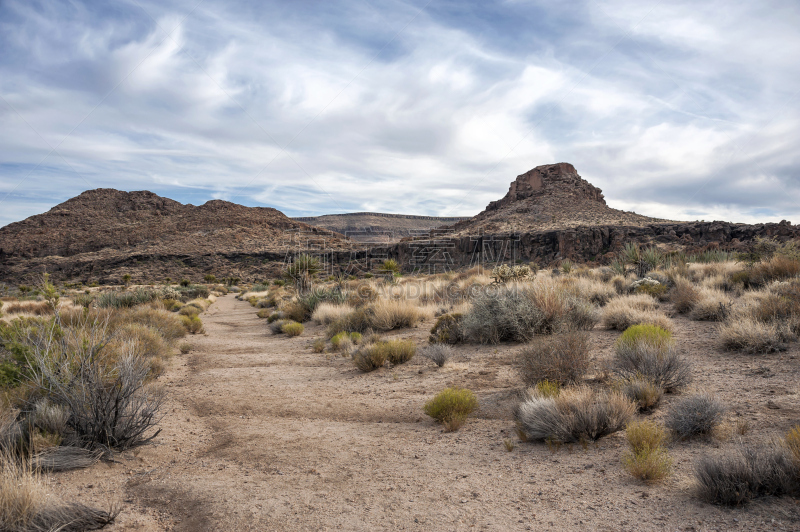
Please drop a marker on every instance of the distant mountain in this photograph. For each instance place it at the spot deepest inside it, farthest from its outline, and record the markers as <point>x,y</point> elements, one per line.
<point>102,232</point>
<point>378,228</point>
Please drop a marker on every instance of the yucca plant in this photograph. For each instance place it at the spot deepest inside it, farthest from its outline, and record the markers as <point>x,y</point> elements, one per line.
<point>302,270</point>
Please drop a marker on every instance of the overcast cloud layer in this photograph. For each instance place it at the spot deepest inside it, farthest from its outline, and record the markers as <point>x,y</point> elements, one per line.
<point>677,110</point>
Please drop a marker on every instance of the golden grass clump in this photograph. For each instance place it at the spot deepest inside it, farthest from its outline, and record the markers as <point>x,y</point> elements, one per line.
<point>561,358</point>
<point>193,324</point>
<point>792,441</point>
<point>744,333</point>
<point>327,313</point>
<point>451,407</point>
<point>292,329</point>
<point>710,305</point>
<point>624,311</point>
<point>395,314</point>
<point>369,357</point>
<point>647,460</point>
<point>168,325</point>
<point>318,346</point>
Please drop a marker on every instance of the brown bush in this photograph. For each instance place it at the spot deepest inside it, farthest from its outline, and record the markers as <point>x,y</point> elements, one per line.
<point>447,330</point>
<point>684,295</point>
<point>561,358</point>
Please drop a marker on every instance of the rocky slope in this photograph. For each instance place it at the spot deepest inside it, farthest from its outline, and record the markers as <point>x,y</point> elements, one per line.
<point>104,233</point>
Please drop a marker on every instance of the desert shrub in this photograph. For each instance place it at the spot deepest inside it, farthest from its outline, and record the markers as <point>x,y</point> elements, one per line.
<point>447,329</point>
<point>645,436</point>
<point>562,358</point>
<point>342,342</point>
<point>648,466</point>
<point>357,337</point>
<point>318,346</point>
<point>398,351</point>
<point>695,415</point>
<point>370,357</point>
<point>168,325</point>
<point>646,351</point>
<point>37,308</point>
<point>148,343</point>
<point>83,300</point>
<point>126,299</point>
<point>390,266</point>
<point>711,305</point>
<point>192,291</point>
<point>577,414</point>
<point>451,407</point>
<point>650,287</point>
<point>387,315</point>
<point>643,391</point>
<point>506,314</point>
<point>296,311</point>
<point>327,313</point>
<point>193,324</point>
<point>278,315</point>
<point>684,295</point>
<point>104,390</point>
<point>778,268</point>
<point>620,284</point>
<point>624,311</point>
<point>752,472</point>
<point>277,326</point>
<point>185,348</point>
<point>746,334</point>
<point>292,329</point>
<point>264,313</point>
<point>265,303</point>
<point>189,310</point>
<point>438,353</point>
<point>647,460</point>
<point>357,320</point>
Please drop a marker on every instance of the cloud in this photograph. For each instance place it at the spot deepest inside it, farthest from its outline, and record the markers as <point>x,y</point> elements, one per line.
<point>679,111</point>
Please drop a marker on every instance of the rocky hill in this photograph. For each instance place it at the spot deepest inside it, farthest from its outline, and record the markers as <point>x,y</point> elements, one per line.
<point>375,227</point>
<point>104,233</point>
<point>551,196</point>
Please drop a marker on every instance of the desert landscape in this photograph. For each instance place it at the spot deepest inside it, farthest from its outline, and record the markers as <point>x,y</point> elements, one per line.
<point>408,265</point>
<point>651,386</point>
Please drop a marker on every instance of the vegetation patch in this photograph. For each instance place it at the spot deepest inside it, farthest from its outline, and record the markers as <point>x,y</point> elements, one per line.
<point>451,407</point>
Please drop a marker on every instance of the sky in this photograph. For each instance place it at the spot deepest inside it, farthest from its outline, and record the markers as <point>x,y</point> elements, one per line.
<point>681,110</point>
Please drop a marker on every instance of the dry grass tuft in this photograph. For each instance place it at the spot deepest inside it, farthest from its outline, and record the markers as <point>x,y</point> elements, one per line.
<point>577,414</point>
<point>327,313</point>
<point>562,358</point>
<point>387,315</point>
<point>25,506</point>
<point>439,354</point>
<point>643,391</point>
<point>752,472</point>
<point>624,311</point>
<point>747,334</point>
<point>684,295</point>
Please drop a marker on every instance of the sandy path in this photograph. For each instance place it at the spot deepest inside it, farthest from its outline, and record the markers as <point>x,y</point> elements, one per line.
<point>264,434</point>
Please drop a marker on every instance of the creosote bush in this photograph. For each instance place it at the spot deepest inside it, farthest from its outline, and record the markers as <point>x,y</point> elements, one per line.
<point>277,326</point>
<point>193,324</point>
<point>451,407</point>
<point>561,358</point>
<point>576,414</point>
<point>292,329</point>
<point>695,415</point>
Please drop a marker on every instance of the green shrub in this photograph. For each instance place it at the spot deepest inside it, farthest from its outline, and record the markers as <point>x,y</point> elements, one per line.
<point>447,329</point>
<point>264,313</point>
<point>451,407</point>
<point>277,326</point>
<point>192,324</point>
<point>644,333</point>
<point>341,341</point>
<point>399,351</point>
<point>356,337</point>
<point>645,436</point>
<point>548,388</point>
<point>650,465</point>
<point>369,357</point>
<point>189,310</point>
<point>292,329</point>
<point>318,345</point>
<point>561,358</point>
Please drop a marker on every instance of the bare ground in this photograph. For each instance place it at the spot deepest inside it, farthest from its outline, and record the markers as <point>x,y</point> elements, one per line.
<point>263,434</point>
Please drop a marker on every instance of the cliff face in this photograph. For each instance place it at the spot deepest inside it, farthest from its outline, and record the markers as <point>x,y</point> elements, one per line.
<point>559,178</point>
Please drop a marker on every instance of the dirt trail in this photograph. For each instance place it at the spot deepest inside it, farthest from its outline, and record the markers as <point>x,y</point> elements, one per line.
<point>264,434</point>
